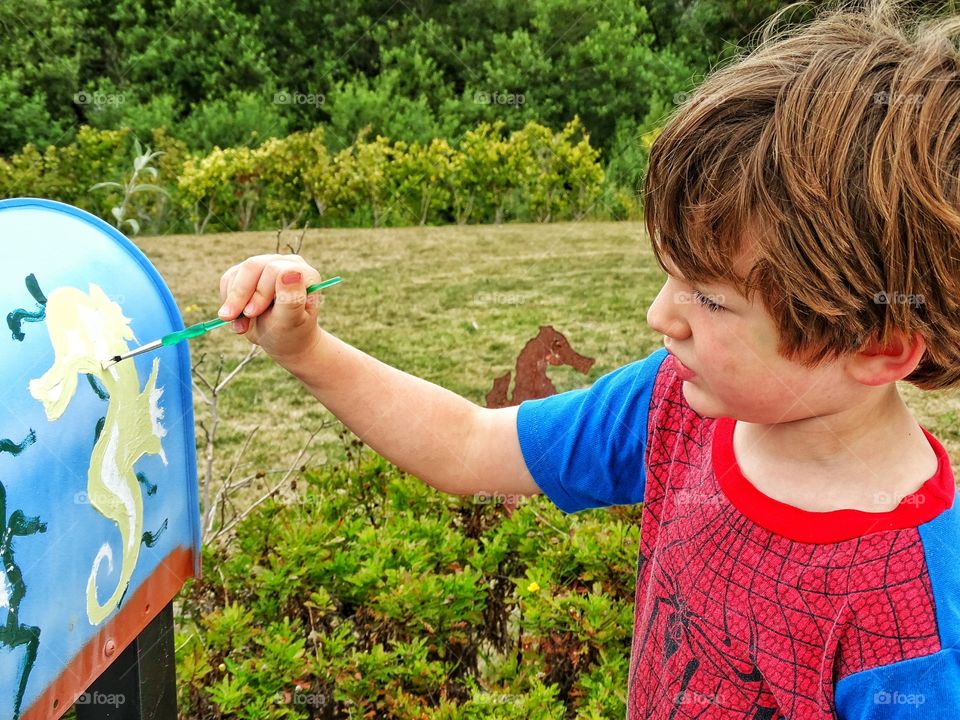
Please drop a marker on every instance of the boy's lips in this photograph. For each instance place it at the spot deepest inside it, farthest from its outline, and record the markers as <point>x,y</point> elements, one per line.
<point>683,372</point>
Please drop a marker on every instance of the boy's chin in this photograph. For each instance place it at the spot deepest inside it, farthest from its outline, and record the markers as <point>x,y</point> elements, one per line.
<point>699,402</point>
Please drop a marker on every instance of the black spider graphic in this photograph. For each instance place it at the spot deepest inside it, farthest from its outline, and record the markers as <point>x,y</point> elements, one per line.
<point>683,627</point>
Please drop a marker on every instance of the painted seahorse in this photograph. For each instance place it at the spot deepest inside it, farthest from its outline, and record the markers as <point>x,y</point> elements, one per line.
<point>84,329</point>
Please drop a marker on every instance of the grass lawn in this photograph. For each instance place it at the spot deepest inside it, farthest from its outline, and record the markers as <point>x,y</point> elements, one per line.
<point>453,305</point>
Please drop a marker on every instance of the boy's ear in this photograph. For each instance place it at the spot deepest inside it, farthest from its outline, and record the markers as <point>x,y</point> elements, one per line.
<point>877,365</point>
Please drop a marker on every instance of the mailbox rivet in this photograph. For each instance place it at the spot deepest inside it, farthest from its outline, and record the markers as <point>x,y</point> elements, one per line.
<point>110,648</point>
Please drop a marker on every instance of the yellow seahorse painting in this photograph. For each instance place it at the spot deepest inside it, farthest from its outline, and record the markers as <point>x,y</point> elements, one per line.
<point>84,329</point>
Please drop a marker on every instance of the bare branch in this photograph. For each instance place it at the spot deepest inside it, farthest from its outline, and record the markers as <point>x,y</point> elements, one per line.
<point>293,466</point>
<point>200,392</point>
<point>219,371</point>
<point>254,349</point>
<point>243,449</point>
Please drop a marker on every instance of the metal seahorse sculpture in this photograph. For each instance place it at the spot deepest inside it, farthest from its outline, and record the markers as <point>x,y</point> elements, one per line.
<point>85,328</point>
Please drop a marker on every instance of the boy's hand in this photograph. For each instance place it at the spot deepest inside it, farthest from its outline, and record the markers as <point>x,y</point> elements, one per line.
<point>287,329</point>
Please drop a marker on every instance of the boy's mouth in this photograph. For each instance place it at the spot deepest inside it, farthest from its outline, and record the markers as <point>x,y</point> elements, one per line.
<point>683,372</point>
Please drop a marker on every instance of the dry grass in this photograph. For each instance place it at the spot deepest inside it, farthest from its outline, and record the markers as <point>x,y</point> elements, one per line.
<point>453,305</point>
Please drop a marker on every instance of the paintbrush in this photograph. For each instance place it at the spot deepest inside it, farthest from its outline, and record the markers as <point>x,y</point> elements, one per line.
<point>196,330</point>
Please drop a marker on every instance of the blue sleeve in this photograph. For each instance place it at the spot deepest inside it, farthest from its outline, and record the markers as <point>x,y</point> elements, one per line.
<point>924,687</point>
<point>585,448</point>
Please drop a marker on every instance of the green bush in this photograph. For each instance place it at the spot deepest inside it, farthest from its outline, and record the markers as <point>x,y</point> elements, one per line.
<point>561,178</point>
<point>67,173</point>
<point>532,174</point>
<point>245,118</point>
<point>372,595</point>
<point>288,172</point>
<point>221,189</point>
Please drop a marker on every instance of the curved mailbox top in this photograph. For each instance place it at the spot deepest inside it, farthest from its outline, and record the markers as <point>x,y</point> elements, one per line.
<point>99,519</point>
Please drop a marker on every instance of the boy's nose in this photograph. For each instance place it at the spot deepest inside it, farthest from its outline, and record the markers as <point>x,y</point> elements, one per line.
<point>665,314</point>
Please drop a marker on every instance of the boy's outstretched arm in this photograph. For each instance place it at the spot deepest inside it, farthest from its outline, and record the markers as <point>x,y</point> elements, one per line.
<point>432,433</point>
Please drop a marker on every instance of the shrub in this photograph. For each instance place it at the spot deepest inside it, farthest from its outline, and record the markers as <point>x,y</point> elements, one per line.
<point>561,177</point>
<point>222,187</point>
<point>67,173</point>
<point>486,174</point>
<point>245,118</point>
<point>289,170</point>
<point>372,595</point>
<point>423,186</point>
<point>532,174</point>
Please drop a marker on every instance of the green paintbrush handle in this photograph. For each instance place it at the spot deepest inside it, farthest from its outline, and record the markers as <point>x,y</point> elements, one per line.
<point>191,332</point>
<point>203,327</point>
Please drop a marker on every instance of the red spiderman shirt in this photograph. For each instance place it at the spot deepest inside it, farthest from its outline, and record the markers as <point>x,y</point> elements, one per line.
<point>747,607</point>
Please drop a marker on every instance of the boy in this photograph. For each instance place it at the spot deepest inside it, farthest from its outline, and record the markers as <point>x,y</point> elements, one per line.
<point>800,548</point>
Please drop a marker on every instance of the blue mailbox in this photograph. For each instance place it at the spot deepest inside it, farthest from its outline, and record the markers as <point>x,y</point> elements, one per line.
<point>99,517</point>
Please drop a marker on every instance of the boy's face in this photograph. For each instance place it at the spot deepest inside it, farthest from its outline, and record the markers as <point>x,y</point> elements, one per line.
<point>733,353</point>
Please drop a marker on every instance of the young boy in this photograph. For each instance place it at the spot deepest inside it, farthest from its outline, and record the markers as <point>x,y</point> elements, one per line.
<point>800,548</point>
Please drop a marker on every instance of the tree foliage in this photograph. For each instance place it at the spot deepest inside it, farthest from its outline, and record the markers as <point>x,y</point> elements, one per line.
<point>225,72</point>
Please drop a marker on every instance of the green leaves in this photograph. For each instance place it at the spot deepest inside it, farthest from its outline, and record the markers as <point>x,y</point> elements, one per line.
<point>532,174</point>
<point>372,595</point>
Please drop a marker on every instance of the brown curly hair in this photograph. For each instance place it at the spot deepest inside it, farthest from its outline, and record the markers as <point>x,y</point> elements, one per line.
<point>834,145</point>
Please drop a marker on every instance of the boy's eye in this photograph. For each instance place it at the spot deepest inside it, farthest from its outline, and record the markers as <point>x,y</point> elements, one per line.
<point>707,302</point>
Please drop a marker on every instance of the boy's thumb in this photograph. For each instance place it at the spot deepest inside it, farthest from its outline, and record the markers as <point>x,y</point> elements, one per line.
<point>291,295</point>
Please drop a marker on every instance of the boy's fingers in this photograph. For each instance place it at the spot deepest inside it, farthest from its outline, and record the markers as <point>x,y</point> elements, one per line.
<point>263,295</point>
<point>241,287</point>
<point>225,281</point>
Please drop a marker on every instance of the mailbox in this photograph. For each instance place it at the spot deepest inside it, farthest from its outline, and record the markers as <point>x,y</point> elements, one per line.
<point>99,516</point>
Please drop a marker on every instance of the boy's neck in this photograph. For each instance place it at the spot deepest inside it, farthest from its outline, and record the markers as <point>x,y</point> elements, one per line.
<point>865,457</point>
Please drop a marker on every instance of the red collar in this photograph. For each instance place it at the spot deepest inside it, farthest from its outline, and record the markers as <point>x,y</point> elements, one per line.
<point>932,498</point>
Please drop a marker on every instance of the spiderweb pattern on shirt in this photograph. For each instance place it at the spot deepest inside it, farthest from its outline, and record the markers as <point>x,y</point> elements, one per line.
<point>732,620</point>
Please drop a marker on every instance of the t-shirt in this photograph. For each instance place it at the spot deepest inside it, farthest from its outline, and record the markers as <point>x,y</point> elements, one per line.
<point>747,607</point>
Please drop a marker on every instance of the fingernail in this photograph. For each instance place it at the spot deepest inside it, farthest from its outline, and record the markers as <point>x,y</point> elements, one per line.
<point>235,326</point>
<point>291,277</point>
<point>249,309</point>
<point>225,310</point>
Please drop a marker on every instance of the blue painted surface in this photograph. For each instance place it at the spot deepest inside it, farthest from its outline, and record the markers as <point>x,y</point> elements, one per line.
<point>63,246</point>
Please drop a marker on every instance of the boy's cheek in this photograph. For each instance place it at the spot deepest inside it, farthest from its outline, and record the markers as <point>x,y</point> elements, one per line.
<point>764,340</point>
